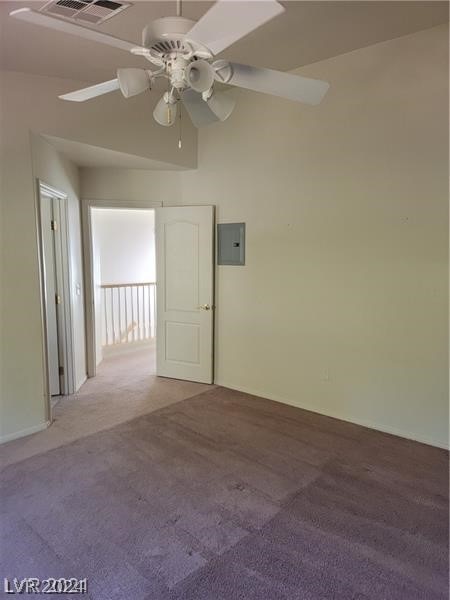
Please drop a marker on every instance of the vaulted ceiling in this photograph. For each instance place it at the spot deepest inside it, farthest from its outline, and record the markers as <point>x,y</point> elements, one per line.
<point>307,32</point>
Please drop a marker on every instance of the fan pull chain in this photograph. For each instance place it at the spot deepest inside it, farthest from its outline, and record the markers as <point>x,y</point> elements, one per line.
<point>169,110</point>
<point>179,127</point>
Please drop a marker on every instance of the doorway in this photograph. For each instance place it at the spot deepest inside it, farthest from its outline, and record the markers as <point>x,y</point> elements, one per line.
<point>53,238</point>
<point>124,280</point>
<point>178,304</point>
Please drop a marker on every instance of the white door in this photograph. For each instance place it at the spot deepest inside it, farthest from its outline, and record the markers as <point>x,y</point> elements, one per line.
<point>185,290</point>
<point>99,309</point>
<point>51,294</point>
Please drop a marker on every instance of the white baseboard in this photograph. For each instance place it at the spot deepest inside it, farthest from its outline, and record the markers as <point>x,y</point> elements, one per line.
<point>364,423</point>
<point>23,432</point>
<point>119,349</point>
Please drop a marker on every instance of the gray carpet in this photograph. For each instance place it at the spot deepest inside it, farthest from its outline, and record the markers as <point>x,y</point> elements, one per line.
<point>228,496</point>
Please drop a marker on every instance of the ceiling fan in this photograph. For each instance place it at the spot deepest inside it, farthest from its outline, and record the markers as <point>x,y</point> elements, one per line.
<point>183,52</point>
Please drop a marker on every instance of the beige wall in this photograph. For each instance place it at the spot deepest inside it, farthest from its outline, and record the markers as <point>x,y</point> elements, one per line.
<point>132,185</point>
<point>342,307</point>
<point>111,122</point>
<point>29,106</point>
<point>23,404</point>
<point>50,167</point>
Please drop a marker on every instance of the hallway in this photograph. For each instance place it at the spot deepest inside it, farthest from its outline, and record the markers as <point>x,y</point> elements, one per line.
<point>126,386</point>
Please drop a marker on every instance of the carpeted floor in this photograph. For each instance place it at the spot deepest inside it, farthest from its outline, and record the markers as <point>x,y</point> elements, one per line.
<point>225,496</point>
<point>126,386</point>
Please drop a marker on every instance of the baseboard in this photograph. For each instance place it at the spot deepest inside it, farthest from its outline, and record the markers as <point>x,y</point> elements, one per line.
<point>23,432</point>
<point>369,424</point>
<point>120,349</point>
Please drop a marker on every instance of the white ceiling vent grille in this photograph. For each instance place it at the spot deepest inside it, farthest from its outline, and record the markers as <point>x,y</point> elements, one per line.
<point>87,11</point>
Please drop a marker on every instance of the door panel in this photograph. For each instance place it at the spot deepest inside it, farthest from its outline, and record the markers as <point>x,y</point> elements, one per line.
<point>183,342</point>
<point>185,261</point>
<point>50,293</point>
<point>182,252</point>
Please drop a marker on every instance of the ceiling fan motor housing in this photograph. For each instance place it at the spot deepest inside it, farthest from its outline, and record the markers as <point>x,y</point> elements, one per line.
<point>166,40</point>
<point>176,67</point>
<point>166,35</point>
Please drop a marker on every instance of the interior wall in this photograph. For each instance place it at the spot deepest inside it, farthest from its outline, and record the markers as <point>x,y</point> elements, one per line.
<point>110,121</point>
<point>57,171</point>
<point>342,307</point>
<point>130,185</point>
<point>25,158</point>
<point>125,241</point>
<point>29,105</point>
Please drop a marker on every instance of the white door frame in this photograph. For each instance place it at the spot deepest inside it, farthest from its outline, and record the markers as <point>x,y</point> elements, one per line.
<point>86,219</point>
<point>63,276</point>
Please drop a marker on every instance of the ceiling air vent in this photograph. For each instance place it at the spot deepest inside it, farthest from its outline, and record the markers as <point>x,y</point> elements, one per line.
<point>87,11</point>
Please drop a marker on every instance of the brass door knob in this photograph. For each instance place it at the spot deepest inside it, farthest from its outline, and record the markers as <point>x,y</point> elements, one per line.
<point>205,307</point>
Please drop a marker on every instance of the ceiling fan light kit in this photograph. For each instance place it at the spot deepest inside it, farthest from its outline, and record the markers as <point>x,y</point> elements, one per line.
<point>221,104</point>
<point>133,81</point>
<point>183,52</point>
<point>166,110</point>
<point>200,75</point>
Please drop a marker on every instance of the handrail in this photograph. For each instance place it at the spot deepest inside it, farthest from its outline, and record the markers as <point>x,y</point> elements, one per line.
<point>129,312</point>
<point>115,285</point>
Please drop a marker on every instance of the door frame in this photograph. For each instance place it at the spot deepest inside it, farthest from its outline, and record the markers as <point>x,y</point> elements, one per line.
<point>63,275</point>
<point>88,256</point>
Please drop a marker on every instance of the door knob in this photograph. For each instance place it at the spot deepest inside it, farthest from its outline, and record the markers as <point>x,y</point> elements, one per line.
<point>205,307</point>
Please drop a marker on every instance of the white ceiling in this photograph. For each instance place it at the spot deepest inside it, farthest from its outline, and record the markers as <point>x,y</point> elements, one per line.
<point>307,32</point>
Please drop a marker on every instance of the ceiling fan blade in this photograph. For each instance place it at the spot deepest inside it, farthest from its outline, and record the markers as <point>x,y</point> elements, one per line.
<point>92,91</point>
<point>229,20</point>
<point>37,18</point>
<point>198,109</point>
<point>276,83</point>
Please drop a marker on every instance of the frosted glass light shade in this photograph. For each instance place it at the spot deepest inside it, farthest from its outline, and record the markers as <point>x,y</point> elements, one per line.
<point>165,111</point>
<point>133,81</point>
<point>221,104</point>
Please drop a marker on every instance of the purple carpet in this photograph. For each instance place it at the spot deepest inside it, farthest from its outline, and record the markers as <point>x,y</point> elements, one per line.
<point>226,496</point>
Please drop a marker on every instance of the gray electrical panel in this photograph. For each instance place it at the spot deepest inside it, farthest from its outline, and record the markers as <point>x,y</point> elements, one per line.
<point>231,244</point>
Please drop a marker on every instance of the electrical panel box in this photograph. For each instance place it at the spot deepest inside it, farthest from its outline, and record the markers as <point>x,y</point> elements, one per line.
<point>231,244</point>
